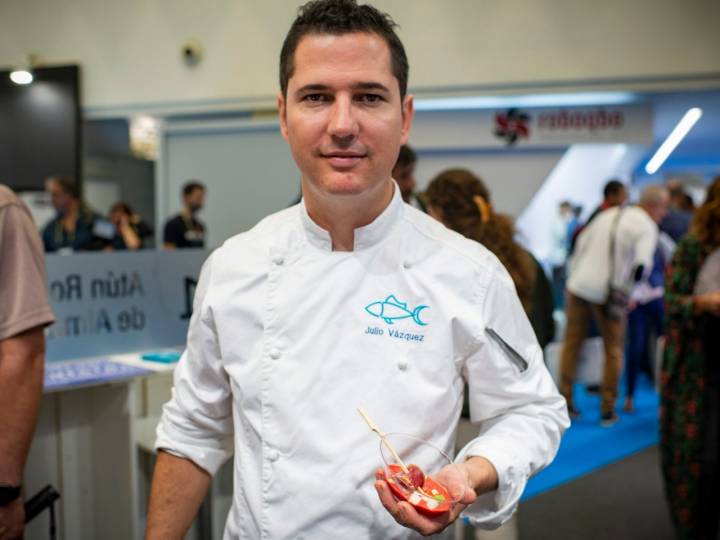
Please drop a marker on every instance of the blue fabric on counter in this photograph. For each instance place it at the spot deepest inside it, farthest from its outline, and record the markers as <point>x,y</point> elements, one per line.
<point>60,375</point>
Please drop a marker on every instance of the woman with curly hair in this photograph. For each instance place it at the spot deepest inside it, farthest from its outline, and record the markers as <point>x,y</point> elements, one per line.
<point>460,200</point>
<point>690,403</point>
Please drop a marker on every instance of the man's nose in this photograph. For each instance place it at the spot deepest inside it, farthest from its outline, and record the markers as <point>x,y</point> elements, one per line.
<point>342,124</point>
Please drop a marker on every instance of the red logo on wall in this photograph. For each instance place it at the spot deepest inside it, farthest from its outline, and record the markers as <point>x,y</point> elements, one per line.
<point>512,125</point>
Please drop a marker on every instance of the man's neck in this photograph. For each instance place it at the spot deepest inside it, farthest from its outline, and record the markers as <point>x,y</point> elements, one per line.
<point>341,215</point>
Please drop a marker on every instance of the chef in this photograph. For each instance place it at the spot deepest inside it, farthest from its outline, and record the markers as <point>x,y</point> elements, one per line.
<point>349,299</point>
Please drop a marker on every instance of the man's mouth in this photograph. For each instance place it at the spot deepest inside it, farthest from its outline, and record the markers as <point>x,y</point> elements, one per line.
<point>343,160</point>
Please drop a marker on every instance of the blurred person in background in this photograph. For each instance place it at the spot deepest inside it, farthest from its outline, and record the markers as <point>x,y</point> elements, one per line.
<point>24,312</point>
<point>690,381</point>
<point>404,174</point>
<point>614,194</point>
<point>645,319</point>
<point>677,221</point>
<point>612,253</point>
<point>131,231</point>
<point>461,201</point>
<point>76,227</point>
<point>185,230</point>
<point>559,251</point>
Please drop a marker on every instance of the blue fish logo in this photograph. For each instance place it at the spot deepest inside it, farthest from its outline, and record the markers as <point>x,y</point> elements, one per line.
<point>391,309</point>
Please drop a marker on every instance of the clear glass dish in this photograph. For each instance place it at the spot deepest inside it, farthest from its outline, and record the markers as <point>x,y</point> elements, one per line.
<point>443,485</point>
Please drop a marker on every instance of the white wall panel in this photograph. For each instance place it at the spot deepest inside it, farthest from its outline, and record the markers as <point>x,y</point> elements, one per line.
<point>130,51</point>
<point>513,177</point>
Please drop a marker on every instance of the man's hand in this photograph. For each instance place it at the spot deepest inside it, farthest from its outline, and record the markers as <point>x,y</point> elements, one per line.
<point>12,520</point>
<point>481,476</point>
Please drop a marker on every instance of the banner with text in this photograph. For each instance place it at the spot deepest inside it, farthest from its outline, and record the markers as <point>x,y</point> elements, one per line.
<point>110,303</point>
<point>534,127</point>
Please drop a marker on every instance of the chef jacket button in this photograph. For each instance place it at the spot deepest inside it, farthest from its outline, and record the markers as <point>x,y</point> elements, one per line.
<point>406,264</point>
<point>275,354</point>
<point>273,455</point>
<point>402,365</point>
<point>278,259</point>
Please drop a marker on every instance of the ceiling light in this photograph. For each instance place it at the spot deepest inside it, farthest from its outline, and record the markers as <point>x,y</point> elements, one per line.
<point>528,100</point>
<point>677,135</point>
<point>21,76</point>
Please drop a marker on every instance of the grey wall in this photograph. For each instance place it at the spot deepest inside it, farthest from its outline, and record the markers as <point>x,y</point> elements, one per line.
<point>247,168</point>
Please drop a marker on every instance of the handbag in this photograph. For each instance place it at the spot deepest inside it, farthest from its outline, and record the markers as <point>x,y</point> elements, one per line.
<point>617,303</point>
<point>618,298</point>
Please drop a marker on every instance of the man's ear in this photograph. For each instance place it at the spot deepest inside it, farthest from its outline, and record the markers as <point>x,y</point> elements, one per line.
<point>408,112</point>
<point>282,114</point>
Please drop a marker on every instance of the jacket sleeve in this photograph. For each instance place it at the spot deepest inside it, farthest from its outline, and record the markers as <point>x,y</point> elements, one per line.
<point>520,413</point>
<point>197,421</point>
<point>645,245</point>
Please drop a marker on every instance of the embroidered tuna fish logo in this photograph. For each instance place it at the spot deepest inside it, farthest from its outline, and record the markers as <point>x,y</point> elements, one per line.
<point>391,309</point>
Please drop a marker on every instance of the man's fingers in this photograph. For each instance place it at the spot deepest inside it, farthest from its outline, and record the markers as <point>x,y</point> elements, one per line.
<point>389,502</point>
<point>407,516</point>
<point>469,497</point>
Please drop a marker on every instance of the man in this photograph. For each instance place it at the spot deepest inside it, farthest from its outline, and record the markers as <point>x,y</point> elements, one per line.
<point>404,174</point>
<point>185,230</point>
<point>76,227</point>
<point>351,299</point>
<point>24,312</point>
<point>677,221</point>
<point>614,194</point>
<point>630,234</point>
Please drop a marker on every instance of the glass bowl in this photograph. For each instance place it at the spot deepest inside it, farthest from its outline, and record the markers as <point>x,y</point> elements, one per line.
<point>443,482</point>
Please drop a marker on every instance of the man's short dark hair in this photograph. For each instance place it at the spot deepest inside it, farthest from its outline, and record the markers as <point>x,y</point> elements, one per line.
<point>407,156</point>
<point>191,186</point>
<point>338,17</point>
<point>613,188</point>
<point>67,184</point>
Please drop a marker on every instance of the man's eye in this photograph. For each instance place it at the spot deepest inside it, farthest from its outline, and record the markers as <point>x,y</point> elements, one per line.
<point>315,98</point>
<point>370,98</point>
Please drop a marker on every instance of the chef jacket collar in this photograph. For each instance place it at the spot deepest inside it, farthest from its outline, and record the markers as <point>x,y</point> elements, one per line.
<point>367,236</point>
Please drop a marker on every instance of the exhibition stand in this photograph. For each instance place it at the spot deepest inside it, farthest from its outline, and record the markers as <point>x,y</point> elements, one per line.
<point>101,393</point>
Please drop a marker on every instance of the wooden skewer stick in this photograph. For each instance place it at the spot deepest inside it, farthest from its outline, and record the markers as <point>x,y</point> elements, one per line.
<point>373,426</point>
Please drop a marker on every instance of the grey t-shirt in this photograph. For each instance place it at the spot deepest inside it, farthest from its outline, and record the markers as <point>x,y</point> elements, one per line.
<point>23,279</point>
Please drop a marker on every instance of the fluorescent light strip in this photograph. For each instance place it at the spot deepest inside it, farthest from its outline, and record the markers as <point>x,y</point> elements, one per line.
<point>677,135</point>
<point>529,100</point>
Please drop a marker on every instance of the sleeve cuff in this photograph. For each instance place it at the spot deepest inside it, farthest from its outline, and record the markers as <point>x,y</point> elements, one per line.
<point>492,509</point>
<point>208,458</point>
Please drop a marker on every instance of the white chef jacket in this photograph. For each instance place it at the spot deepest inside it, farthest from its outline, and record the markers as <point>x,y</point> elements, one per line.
<point>281,352</point>
<point>589,270</point>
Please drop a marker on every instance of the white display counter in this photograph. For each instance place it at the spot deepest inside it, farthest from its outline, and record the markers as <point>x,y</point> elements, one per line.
<point>101,400</point>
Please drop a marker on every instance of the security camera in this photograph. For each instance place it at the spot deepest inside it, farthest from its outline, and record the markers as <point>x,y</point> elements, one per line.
<point>191,53</point>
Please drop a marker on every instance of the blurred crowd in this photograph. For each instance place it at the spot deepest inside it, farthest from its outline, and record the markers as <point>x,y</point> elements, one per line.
<point>76,227</point>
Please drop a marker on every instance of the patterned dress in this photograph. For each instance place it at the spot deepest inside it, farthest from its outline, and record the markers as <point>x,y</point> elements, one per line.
<point>683,379</point>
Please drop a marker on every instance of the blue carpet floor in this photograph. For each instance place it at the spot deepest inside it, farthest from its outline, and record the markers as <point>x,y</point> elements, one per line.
<point>587,446</point>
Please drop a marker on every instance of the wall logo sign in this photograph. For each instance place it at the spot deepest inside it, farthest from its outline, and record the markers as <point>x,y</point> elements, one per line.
<point>512,125</point>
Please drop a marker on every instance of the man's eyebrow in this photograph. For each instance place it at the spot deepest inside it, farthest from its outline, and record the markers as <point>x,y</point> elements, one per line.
<point>316,87</point>
<point>371,86</point>
<point>313,88</point>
